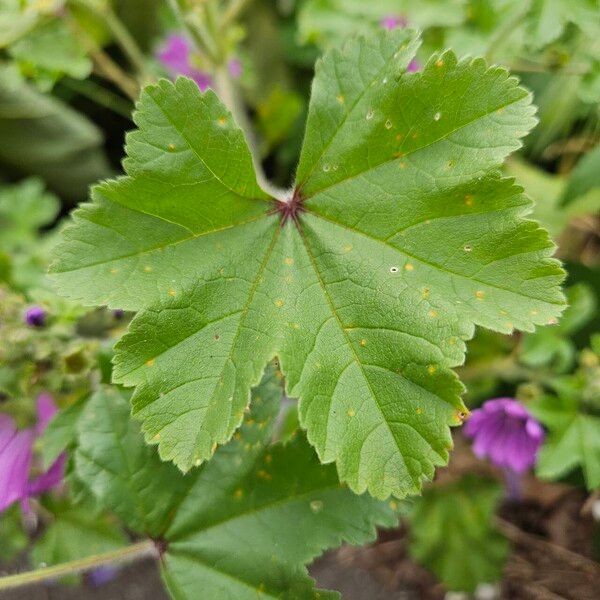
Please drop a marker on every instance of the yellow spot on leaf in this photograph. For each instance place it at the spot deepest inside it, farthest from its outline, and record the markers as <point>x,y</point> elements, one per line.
<point>289,261</point>
<point>341,99</point>
<point>425,292</point>
<point>419,411</point>
<point>150,362</point>
<point>409,267</point>
<point>279,303</point>
<point>432,313</point>
<point>172,292</point>
<point>469,200</point>
<point>239,493</point>
<point>171,147</point>
<point>222,121</point>
<point>264,475</point>
<point>147,269</point>
<point>439,63</point>
<point>351,412</point>
<point>479,294</point>
<point>431,369</point>
<point>363,342</point>
<point>347,247</point>
<point>113,271</point>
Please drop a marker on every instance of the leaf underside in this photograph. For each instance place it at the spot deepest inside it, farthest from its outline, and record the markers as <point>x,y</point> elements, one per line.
<point>403,237</point>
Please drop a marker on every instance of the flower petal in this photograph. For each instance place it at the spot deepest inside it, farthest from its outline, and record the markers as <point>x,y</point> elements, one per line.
<point>15,460</point>
<point>46,409</point>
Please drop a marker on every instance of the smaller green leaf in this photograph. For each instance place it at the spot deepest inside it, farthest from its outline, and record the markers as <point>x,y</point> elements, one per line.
<point>548,19</point>
<point>575,443</point>
<point>212,521</point>
<point>61,433</point>
<point>584,179</point>
<point>50,51</point>
<point>76,532</point>
<point>552,346</point>
<point>24,208</point>
<point>14,538</point>
<point>452,533</point>
<point>123,474</point>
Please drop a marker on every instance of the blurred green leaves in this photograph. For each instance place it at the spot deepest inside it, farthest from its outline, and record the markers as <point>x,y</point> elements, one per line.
<point>571,413</point>
<point>453,534</point>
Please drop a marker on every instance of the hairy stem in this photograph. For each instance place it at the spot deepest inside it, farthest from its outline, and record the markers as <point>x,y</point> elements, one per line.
<point>128,553</point>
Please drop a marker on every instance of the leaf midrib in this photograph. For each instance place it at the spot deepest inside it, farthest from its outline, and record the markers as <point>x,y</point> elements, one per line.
<point>353,351</point>
<point>163,246</point>
<point>343,121</point>
<point>434,265</point>
<point>199,157</point>
<point>442,137</point>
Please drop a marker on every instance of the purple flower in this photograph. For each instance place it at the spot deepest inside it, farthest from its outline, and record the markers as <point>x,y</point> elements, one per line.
<point>176,55</point>
<point>102,575</point>
<point>393,22</point>
<point>413,66</point>
<point>16,457</point>
<point>235,68</point>
<point>504,430</point>
<point>35,316</point>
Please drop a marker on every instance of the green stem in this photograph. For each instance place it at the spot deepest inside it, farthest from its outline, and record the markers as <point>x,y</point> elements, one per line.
<point>192,28</point>
<point>230,97</point>
<point>100,95</point>
<point>128,553</point>
<point>235,9</point>
<point>120,33</point>
<point>503,31</point>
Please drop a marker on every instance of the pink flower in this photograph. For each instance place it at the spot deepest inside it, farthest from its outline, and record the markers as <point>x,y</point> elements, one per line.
<point>393,22</point>
<point>505,432</point>
<point>175,55</point>
<point>16,457</point>
<point>413,66</point>
<point>235,68</point>
<point>35,316</point>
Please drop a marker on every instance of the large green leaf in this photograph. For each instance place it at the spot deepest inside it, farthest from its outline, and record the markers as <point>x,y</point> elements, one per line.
<point>226,528</point>
<point>452,533</point>
<point>401,237</point>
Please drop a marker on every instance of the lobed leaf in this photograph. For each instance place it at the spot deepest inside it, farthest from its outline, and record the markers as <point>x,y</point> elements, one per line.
<point>399,237</point>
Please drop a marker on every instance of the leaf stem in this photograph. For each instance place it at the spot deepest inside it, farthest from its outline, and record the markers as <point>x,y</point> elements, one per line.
<point>234,10</point>
<point>137,551</point>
